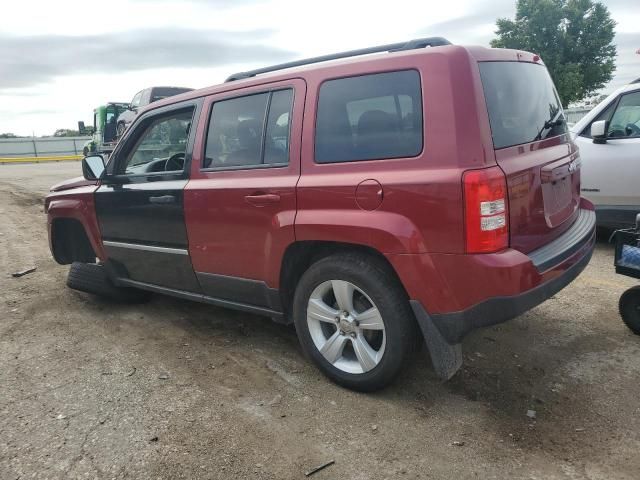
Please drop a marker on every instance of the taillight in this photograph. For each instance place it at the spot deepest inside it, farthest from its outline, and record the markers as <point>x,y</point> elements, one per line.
<point>485,204</point>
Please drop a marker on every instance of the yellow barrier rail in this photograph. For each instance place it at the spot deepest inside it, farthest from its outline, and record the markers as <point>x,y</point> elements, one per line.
<point>40,159</point>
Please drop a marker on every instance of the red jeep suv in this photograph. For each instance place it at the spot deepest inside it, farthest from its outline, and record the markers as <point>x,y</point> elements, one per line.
<point>421,190</point>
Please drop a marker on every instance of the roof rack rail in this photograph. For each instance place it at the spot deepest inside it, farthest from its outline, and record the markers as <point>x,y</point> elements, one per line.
<point>392,47</point>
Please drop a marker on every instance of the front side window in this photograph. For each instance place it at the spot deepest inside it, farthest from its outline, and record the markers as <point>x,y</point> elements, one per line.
<point>369,117</point>
<point>238,135</point>
<point>603,115</point>
<point>162,145</point>
<point>626,119</point>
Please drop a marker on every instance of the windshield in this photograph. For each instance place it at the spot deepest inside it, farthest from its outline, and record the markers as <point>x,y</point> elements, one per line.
<point>522,102</point>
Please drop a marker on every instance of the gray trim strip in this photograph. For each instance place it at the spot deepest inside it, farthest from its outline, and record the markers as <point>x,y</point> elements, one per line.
<point>566,244</point>
<point>125,282</point>
<point>146,248</point>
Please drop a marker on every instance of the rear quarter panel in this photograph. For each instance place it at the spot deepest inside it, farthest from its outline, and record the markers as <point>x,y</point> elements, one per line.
<point>422,207</point>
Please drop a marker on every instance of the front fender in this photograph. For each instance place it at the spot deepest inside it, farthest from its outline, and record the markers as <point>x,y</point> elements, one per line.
<point>77,204</point>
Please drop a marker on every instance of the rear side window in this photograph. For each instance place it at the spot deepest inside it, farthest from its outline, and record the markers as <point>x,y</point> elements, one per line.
<point>249,131</point>
<point>369,117</point>
<point>522,102</point>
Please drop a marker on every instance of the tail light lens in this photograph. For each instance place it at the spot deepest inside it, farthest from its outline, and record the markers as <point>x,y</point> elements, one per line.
<point>486,216</point>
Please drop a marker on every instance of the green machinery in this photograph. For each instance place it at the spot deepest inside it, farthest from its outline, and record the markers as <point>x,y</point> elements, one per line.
<point>104,134</point>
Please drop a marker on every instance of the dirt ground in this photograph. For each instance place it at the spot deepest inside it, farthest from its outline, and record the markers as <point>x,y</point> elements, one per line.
<point>171,389</point>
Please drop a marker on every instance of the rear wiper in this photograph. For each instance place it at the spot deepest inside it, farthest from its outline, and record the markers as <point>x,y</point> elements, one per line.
<point>557,120</point>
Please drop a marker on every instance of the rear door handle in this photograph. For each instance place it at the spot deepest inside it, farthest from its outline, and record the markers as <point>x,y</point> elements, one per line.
<point>262,199</point>
<point>163,199</point>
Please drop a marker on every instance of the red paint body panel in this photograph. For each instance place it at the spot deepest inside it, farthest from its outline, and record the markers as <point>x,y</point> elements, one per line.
<point>541,207</point>
<point>77,204</point>
<point>230,234</point>
<point>72,183</point>
<point>419,224</point>
<point>446,283</point>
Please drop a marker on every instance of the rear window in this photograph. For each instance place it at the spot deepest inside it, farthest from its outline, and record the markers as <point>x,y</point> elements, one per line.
<point>369,117</point>
<point>522,102</point>
<point>160,93</point>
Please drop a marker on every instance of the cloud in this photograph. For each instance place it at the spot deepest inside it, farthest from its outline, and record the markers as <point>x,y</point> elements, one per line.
<point>627,41</point>
<point>32,60</point>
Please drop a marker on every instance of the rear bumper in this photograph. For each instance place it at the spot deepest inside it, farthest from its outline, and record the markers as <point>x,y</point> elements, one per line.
<point>454,326</point>
<point>494,288</point>
<point>616,216</point>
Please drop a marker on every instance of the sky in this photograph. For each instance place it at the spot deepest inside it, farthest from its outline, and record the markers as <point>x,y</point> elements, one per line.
<point>61,59</point>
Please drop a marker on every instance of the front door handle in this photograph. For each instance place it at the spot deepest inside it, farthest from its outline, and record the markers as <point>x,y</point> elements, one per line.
<point>163,199</point>
<point>262,199</point>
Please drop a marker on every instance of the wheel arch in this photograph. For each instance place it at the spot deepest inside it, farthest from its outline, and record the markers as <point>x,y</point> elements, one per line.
<point>70,242</point>
<point>300,255</point>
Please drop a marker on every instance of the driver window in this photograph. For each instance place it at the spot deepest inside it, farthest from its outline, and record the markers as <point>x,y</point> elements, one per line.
<point>162,145</point>
<point>626,119</point>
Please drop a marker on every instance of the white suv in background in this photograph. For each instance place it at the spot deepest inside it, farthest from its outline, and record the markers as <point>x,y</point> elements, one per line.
<point>609,141</point>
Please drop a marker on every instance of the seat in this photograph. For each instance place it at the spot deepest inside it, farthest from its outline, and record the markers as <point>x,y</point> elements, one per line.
<point>377,135</point>
<point>249,137</point>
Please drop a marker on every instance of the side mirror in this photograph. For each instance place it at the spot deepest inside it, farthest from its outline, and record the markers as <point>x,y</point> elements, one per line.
<point>599,131</point>
<point>93,167</point>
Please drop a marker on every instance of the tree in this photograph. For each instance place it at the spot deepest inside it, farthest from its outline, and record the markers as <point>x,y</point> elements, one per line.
<point>66,132</point>
<point>573,37</point>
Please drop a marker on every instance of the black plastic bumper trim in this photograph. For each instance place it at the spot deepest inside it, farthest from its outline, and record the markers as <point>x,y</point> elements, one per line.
<point>566,244</point>
<point>454,326</point>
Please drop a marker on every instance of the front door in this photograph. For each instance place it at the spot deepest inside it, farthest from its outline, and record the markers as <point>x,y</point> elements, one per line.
<point>140,205</point>
<point>241,201</point>
<point>610,172</point>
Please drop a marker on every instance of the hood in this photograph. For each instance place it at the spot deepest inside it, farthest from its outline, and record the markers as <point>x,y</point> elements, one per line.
<point>72,183</point>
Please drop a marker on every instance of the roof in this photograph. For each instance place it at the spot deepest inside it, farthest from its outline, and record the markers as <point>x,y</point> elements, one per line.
<point>335,64</point>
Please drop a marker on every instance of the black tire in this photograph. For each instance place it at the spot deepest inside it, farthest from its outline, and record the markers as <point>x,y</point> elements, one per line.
<point>92,278</point>
<point>629,307</point>
<point>375,279</point>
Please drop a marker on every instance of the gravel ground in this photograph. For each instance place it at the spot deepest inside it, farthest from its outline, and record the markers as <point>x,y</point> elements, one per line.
<point>171,389</point>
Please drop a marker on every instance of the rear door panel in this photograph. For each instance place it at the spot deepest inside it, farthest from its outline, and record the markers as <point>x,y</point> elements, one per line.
<point>240,220</point>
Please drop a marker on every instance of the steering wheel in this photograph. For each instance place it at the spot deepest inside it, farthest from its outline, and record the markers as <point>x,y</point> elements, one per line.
<point>174,162</point>
<point>616,131</point>
<point>632,130</point>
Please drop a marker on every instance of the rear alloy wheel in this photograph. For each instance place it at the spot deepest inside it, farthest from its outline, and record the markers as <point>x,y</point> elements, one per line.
<point>346,327</point>
<point>354,321</point>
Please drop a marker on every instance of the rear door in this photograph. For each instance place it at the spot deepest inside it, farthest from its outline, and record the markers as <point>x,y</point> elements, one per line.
<point>534,149</point>
<point>241,201</point>
<point>140,205</point>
